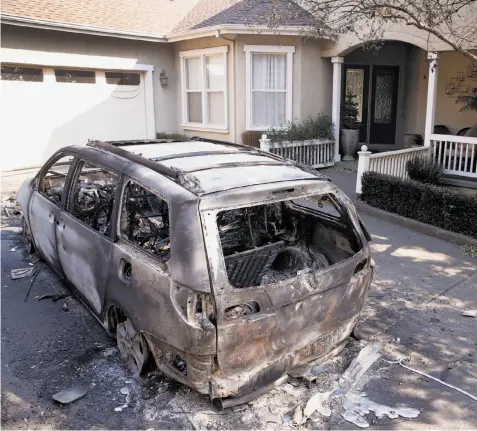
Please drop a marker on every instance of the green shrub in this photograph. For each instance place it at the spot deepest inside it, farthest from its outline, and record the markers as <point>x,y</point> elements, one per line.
<point>349,113</point>
<point>319,127</point>
<point>424,170</point>
<point>175,136</point>
<point>427,203</point>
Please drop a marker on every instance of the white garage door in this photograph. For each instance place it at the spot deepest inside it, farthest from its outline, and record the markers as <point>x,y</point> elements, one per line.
<point>44,109</point>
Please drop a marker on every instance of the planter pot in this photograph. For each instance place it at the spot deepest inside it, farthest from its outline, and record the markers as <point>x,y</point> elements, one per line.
<point>349,143</point>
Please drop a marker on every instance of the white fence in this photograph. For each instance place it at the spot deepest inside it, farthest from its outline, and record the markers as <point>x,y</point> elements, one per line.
<point>316,153</point>
<point>456,154</point>
<point>389,163</point>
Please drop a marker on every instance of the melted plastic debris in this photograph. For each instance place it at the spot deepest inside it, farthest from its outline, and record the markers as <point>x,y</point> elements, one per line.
<point>470,313</point>
<point>357,406</point>
<point>366,357</point>
<point>70,394</point>
<point>22,272</point>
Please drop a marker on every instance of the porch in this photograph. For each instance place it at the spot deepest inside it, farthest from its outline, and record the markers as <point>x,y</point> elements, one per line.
<point>407,107</point>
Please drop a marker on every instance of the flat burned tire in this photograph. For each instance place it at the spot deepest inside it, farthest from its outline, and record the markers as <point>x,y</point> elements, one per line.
<point>133,347</point>
<point>27,239</point>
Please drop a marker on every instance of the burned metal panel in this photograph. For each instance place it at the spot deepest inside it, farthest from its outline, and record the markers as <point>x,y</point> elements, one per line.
<point>157,305</point>
<point>189,268</point>
<point>43,215</point>
<point>23,197</point>
<point>288,314</point>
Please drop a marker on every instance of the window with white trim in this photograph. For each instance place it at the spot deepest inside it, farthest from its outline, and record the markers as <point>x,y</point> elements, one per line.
<point>204,88</point>
<point>269,77</point>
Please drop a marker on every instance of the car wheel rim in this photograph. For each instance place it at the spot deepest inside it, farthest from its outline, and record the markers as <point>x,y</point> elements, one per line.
<point>132,346</point>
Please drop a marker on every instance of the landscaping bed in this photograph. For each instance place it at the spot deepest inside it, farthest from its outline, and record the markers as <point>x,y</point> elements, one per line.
<point>431,204</point>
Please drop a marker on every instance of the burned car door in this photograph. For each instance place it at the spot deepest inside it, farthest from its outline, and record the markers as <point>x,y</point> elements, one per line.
<point>83,231</point>
<point>45,206</point>
<point>140,281</point>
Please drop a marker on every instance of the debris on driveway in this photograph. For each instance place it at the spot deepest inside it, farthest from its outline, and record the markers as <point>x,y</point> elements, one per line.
<point>123,391</point>
<point>470,313</point>
<point>22,272</point>
<point>53,296</point>
<point>65,307</point>
<point>315,404</point>
<point>111,351</point>
<point>357,406</point>
<point>71,394</point>
<point>366,357</point>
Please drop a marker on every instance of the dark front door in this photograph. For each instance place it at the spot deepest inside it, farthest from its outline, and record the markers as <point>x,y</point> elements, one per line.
<point>384,91</point>
<point>375,90</point>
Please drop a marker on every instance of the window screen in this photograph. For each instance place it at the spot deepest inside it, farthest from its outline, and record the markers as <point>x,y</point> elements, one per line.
<point>93,197</point>
<point>145,220</point>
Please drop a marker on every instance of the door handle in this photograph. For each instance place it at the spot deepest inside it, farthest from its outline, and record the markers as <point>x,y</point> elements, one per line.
<point>60,224</point>
<point>51,218</point>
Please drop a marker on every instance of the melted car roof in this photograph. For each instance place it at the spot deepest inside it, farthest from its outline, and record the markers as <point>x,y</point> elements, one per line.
<point>208,167</point>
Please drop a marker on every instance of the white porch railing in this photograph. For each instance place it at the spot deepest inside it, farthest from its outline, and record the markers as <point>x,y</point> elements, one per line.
<point>456,154</point>
<point>316,153</point>
<point>389,163</point>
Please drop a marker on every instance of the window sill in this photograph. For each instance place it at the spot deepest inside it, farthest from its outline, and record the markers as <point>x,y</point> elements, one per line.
<point>201,128</point>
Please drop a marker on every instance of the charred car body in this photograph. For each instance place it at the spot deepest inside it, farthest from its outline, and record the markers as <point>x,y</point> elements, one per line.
<point>231,266</point>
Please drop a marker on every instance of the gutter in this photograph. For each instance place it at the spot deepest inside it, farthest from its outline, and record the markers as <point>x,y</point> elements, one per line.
<point>45,24</point>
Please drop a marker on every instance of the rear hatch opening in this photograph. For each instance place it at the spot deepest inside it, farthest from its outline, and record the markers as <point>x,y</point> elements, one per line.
<point>273,242</point>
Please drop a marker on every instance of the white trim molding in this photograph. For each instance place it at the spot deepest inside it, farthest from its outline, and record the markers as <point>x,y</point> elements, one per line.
<point>205,125</point>
<point>336,102</point>
<point>268,49</point>
<point>81,61</point>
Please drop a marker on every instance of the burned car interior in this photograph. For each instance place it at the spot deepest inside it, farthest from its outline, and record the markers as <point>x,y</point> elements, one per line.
<point>145,220</point>
<point>93,197</point>
<point>268,243</point>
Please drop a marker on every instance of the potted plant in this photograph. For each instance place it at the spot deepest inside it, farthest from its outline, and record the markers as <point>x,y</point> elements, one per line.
<point>349,127</point>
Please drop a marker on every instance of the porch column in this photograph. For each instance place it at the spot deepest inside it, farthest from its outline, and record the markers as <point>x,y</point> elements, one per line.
<point>431,97</point>
<point>336,102</point>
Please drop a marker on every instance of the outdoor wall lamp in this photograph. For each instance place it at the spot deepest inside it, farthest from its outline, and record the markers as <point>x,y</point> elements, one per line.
<point>163,78</point>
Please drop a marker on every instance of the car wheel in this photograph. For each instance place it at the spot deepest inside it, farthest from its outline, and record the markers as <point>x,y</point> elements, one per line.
<point>132,346</point>
<point>27,239</point>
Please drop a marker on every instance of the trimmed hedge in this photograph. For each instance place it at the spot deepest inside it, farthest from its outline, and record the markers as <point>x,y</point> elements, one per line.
<point>426,203</point>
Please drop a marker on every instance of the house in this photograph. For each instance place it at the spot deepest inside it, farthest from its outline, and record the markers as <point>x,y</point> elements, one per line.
<point>122,69</point>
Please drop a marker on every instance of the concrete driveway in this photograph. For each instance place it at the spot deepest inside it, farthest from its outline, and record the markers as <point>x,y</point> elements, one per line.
<point>421,288</point>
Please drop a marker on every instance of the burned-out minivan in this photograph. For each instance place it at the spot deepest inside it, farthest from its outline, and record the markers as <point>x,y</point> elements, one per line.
<point>229,266</point>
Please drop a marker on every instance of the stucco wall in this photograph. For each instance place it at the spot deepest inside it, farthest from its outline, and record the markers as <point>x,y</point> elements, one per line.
<point>159,55</point>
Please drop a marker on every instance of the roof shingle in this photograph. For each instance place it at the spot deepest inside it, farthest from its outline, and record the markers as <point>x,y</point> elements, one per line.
<point>156,18</point>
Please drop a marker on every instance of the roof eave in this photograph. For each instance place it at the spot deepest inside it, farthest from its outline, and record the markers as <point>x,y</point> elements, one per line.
<point>237,29</point>
<point>74,28</point>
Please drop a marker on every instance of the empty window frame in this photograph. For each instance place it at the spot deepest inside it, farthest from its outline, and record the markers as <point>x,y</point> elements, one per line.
<point>204,88</point>
<point>92,197</point>
<point>21,73</point>
<point>268,243</point>
<point>75,76</point>
<point>123,78</point>
<point>52,182</point>
<point>145,220</point>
